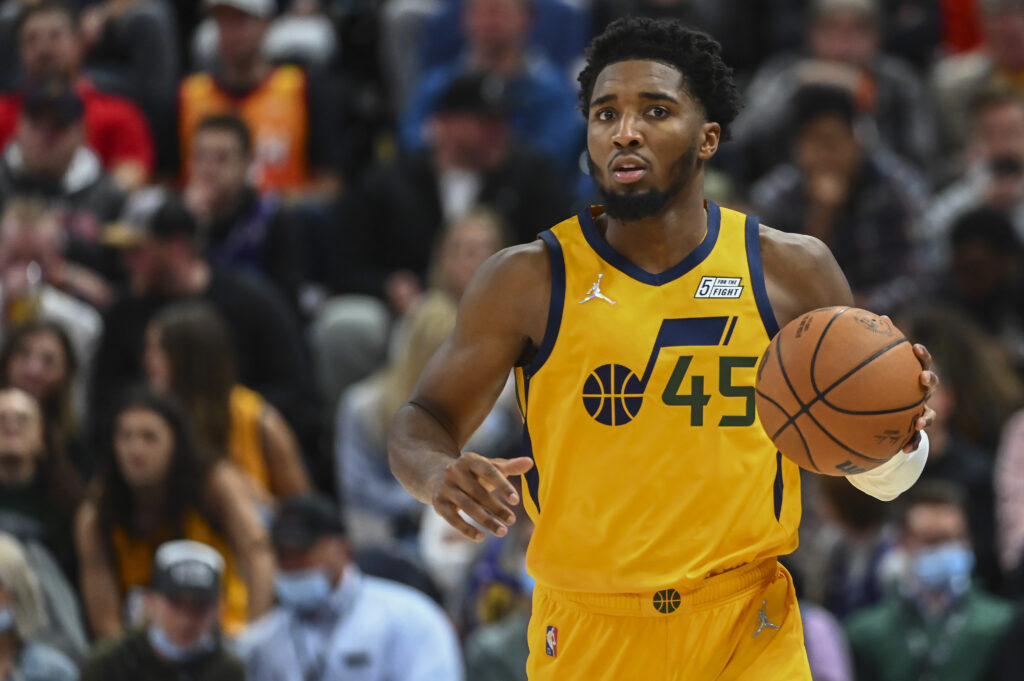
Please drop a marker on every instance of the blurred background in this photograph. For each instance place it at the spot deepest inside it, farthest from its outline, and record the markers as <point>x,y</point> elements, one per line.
<point>233,232</point>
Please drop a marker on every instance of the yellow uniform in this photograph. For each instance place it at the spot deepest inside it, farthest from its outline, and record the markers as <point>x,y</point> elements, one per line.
<point>657,497</point>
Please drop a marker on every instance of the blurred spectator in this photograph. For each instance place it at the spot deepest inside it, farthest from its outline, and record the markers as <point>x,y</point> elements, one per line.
<point>844,50</point>
<point>955,459</point>
<point>333,622</point>
<point>38,357</point>
<point>394,218</point>
<point>858,539</point>
<point>291,115</point>
<point>463,247</point>
<point>542,107</point>
<point>999,61</point>
<point>181,640</point>
<point>189,355</point>
<point>154,487</point>
<point>36,282</point>
<point>852,194</point>
<point>23,657</point>
<point>984,280</point>
<point>827,651</point>
<point>376,507</point>
<point>47,158</point>
<point>163,264</point>
<point>1009,507</point>
<point>938,626</point>
<point>239,228</point>
<point>986,388</point>
<point>994,177</point>
<point>37,481</point>
<point>50,47</point>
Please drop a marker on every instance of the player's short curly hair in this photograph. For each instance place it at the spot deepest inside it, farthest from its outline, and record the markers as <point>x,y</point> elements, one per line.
<point>696,55</point>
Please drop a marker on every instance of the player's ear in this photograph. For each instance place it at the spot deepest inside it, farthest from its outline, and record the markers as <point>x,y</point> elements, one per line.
<point>712,134</point>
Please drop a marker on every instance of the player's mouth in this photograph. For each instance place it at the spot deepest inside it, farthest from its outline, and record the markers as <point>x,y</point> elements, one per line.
<point>628,169</point>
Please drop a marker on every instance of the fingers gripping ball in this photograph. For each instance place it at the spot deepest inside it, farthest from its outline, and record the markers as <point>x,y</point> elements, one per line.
<point>839,391</point>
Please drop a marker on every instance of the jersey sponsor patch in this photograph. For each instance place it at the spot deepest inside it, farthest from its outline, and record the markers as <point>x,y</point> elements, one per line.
<point>719,287</point>
<point>551,642</point>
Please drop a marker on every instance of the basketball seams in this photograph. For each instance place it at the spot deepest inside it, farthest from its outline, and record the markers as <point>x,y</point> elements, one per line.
<point>789,422</point>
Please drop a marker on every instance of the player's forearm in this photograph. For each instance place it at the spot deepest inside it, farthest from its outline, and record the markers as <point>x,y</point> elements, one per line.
<point>419,450</point>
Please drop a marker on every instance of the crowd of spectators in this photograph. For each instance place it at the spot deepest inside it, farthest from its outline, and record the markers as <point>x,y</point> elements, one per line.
<point>232,232</point>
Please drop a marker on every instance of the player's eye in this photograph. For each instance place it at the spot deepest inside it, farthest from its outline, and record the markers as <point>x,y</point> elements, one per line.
<point>604,115</point>
<point>658,111</point>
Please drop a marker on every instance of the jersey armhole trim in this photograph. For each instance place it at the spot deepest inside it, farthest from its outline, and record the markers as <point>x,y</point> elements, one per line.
<point>764,306</point>
<point>555,305</point>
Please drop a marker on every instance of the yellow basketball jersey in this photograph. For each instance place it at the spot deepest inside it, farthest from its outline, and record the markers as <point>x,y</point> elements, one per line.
<point>651,468</point>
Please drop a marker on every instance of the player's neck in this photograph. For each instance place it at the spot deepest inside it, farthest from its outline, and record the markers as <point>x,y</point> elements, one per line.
<point>658,243</point>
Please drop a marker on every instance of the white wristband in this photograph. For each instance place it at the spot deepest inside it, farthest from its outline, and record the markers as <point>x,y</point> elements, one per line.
<point>895,476</point>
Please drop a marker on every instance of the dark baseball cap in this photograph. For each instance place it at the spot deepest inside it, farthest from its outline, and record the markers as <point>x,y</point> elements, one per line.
<point>54,101</point>
<point>478,93</point>
<point>151,213</point>
<point>304,519</point>
<point>188,570</point>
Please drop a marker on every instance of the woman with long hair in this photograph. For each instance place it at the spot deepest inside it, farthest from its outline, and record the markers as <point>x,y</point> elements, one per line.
<point>23,623</point>
<point>154,487</point>
<point>189,355</point>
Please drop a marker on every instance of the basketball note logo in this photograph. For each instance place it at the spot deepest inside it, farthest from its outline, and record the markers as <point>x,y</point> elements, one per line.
<point>613,393</point>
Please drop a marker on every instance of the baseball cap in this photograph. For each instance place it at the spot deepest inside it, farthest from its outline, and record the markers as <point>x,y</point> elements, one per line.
<point>257,8</point>
<point>188,570</point>
<point>477,93</point>
<point>304,519</point>
<point>55,101</point>
<point>150,213</point>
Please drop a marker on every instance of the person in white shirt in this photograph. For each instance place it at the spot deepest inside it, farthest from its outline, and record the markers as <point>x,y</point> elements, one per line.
<point>333,622</point>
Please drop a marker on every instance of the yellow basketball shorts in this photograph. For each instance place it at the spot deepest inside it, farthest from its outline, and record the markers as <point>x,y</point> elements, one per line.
<point>741,625</point>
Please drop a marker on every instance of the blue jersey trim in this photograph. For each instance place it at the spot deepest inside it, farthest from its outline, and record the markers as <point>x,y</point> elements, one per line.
<point>778,488</point>
<point>555,305</point>
<point>764,306</point>
<point>531,476</point>
<point>619,262</point>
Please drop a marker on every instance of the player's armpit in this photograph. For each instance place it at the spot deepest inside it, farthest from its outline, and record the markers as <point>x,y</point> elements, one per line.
<point>895,476</point>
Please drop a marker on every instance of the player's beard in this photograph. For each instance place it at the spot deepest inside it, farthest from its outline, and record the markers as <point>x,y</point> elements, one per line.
<point>632,206</point>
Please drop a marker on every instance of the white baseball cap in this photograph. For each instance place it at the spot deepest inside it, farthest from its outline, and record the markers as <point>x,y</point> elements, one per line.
<point>257,8</point>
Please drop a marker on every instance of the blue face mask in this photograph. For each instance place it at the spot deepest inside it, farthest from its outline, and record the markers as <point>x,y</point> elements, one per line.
<point>302,590</point>
<point>174,652</point>
<point>946,567</point>
<point>6,620</point>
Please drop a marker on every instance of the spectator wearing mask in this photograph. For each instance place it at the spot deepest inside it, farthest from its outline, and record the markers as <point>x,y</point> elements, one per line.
<point>542,108</point>
<point>291,116</point>
<point>182,638</point>
<point>938,625</point>
<point>48,159</point>
<point>153,487</point>
<point>37,482</point>
<point>23,657</point>
<point>50,46</point>
<point>239,228</point>
<point>994,177</point>
<point>189,355</point>
<point>844,41</point>
<point>164,266</point>
<point>856,197</point>
<point>333,622</point>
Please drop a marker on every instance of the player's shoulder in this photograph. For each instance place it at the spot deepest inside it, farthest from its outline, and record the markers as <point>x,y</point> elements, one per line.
<point>522,268</point>
<point>787,250</point>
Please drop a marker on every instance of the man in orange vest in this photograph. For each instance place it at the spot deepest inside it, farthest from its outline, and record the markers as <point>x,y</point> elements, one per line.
<point>290,118</point>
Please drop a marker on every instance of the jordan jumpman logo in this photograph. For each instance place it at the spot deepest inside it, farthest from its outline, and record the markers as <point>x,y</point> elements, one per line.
<point>595,292</point>
<point>762,620</point>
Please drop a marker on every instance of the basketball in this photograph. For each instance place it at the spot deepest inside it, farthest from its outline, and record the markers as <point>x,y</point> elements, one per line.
<point>838,391</point>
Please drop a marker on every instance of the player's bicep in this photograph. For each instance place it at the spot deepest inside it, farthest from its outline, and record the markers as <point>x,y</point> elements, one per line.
<point>464,378</point>
<point>801,275</point>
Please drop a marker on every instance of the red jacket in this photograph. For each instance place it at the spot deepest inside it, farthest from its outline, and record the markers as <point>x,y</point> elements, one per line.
<point>114,127</point>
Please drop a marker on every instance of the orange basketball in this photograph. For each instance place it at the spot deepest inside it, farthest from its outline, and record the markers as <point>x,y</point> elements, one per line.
<point>838,391</point>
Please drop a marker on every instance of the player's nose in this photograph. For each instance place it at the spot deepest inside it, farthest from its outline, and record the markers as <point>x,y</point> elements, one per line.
<point>627,133</point>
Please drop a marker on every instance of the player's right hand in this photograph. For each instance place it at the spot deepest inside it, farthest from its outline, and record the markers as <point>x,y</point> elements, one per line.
<point>477,486</point>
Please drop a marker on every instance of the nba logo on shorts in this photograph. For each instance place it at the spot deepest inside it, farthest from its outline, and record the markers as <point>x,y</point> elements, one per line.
<point>551,642</point>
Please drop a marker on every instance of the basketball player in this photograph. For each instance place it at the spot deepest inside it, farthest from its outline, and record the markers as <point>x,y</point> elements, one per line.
<point>634,330</point>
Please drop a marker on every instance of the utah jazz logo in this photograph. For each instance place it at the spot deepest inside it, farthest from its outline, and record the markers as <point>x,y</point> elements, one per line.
<point>613,394</point>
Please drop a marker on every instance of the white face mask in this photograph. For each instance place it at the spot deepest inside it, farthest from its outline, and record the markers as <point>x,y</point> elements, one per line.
<point>6,620</point>
<point>174,652</point>
<point>302,590</point>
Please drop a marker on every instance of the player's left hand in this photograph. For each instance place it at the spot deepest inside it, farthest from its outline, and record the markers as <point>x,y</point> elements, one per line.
<point>929,381</point>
